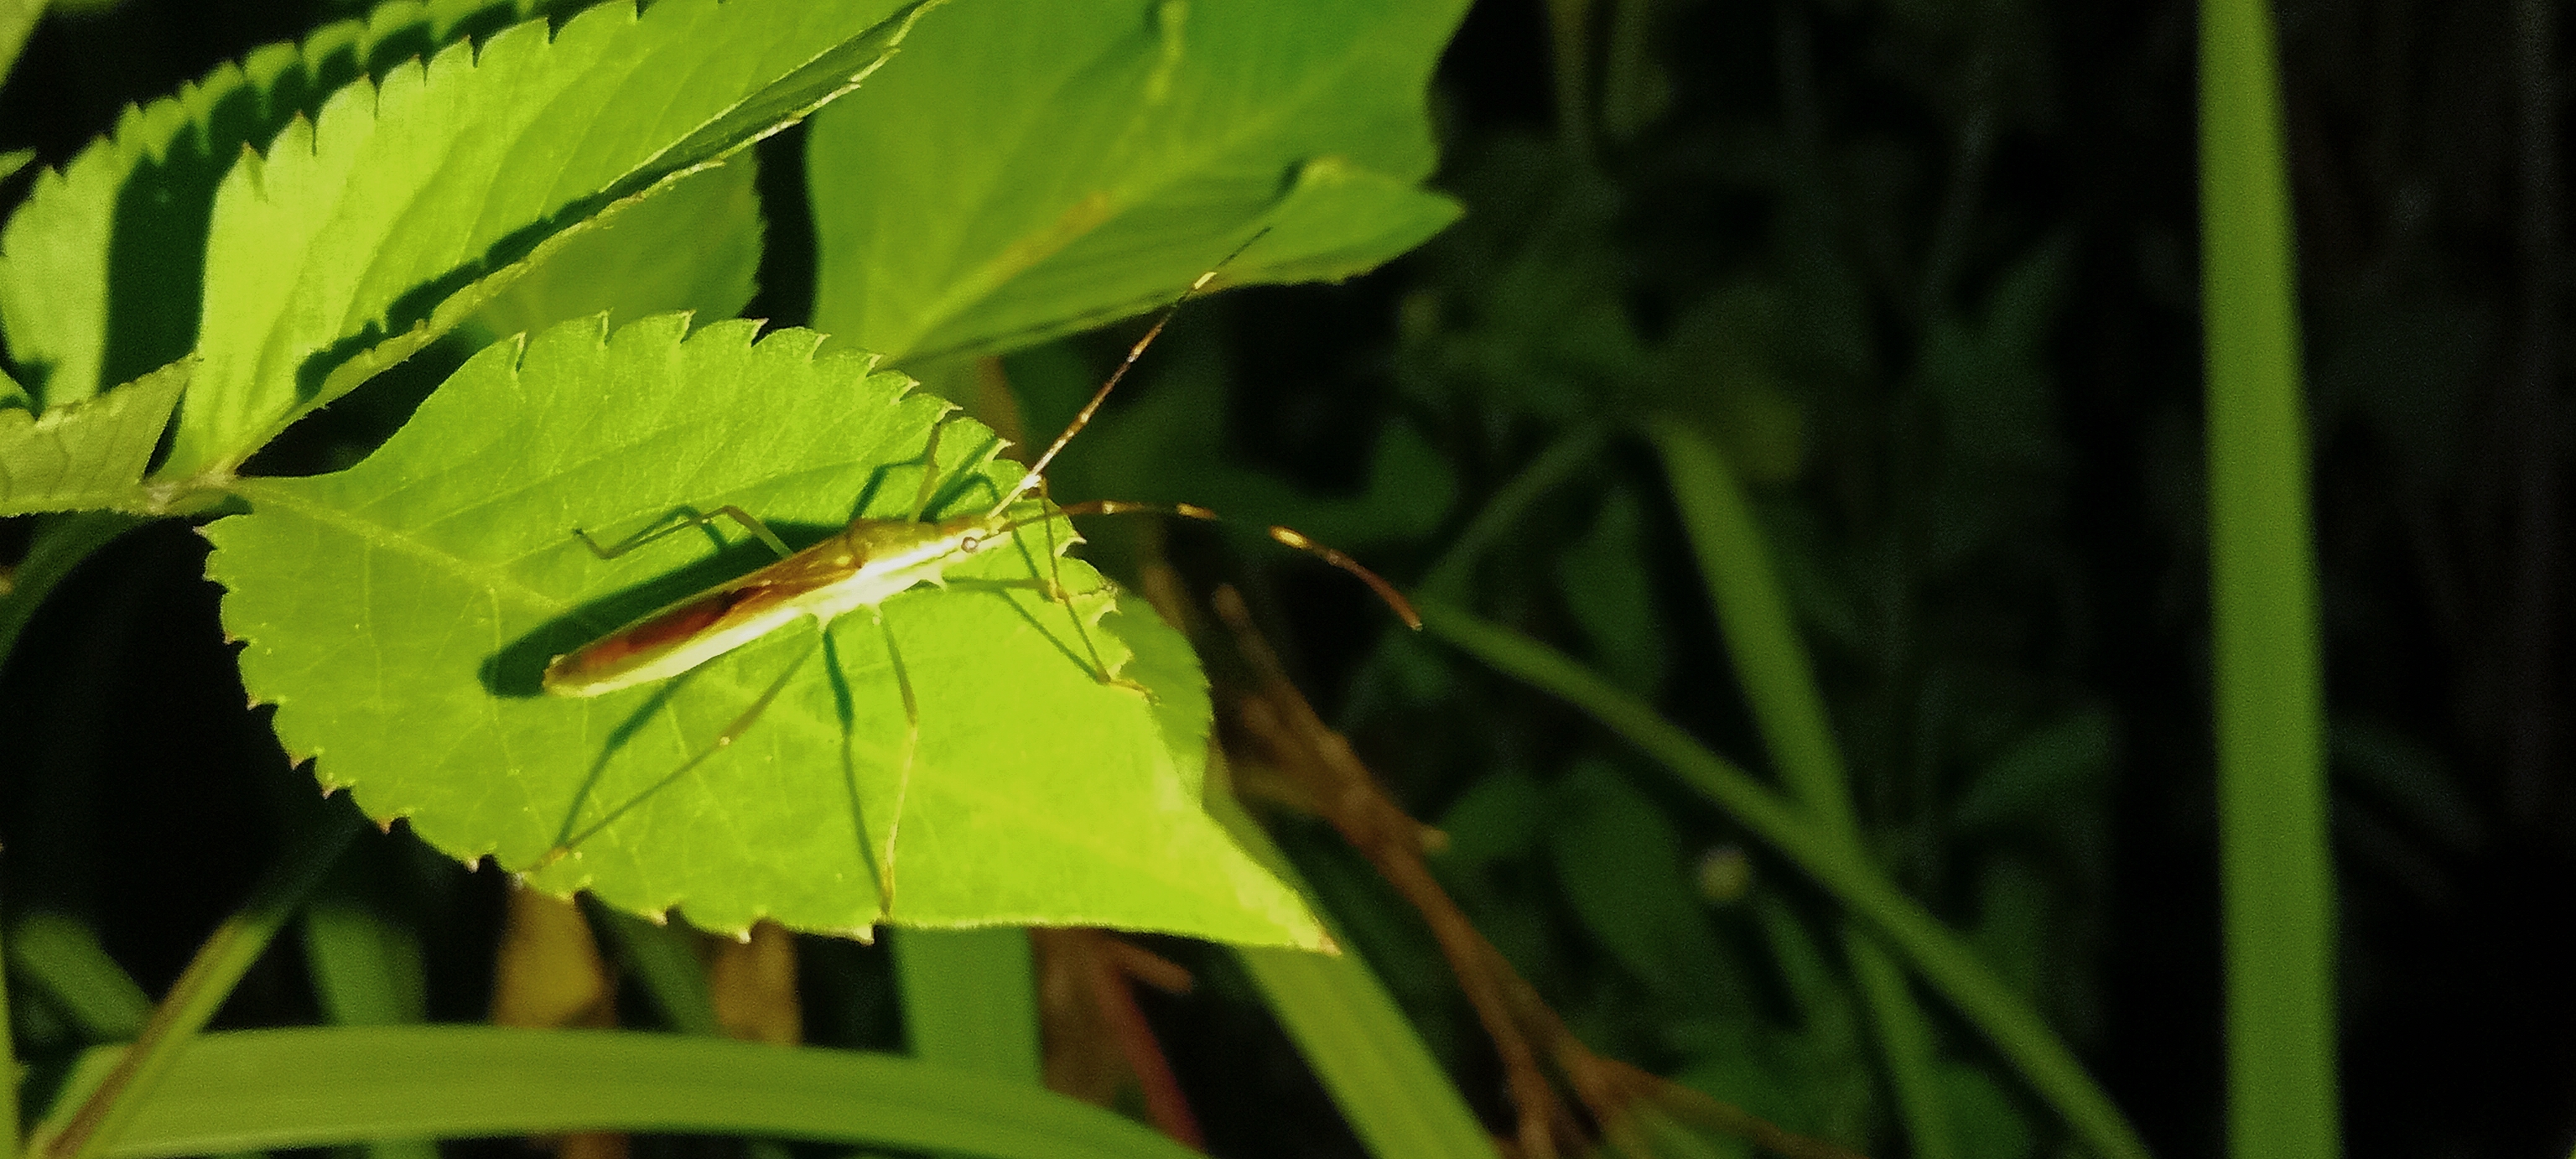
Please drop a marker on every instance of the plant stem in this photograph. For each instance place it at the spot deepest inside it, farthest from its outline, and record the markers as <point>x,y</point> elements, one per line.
<point>220,963</point>
<point>2276,874</point>
<point>60,544</point>
<point>1929,947</point>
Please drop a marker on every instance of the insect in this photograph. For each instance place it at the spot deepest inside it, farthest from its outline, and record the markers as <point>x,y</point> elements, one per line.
<point>859,568</point>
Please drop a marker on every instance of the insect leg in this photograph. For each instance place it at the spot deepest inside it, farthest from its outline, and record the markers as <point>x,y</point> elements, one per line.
<point>903,767</point>
<point>723,740</point>
<point>1055,591</point>
<point>682,519</point>
<point>929,470</point>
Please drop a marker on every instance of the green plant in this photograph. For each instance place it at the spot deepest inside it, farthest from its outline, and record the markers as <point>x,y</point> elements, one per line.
<point>274,238</point>
<point>1755,365</point>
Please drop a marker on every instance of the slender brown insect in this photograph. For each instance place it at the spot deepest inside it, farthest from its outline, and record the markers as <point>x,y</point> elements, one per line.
<point>860,567</point>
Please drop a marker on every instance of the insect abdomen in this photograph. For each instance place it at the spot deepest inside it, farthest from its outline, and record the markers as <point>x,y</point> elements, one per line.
<point>668,642</point>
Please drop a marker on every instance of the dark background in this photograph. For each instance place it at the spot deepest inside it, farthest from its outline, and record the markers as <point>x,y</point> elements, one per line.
<point>1928,271</point>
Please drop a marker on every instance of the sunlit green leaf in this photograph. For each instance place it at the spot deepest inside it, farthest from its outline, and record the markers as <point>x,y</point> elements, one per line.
<point>399,614</point>
<point>694,246</point>
<point>102,266</point>
<point>90,454</point>
<point>406,203</point>
<point>1032,168</point>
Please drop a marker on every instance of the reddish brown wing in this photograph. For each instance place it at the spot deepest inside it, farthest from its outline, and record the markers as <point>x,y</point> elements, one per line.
<point>707,612</point>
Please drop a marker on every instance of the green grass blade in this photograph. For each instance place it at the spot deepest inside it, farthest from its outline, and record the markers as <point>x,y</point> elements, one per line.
<point>323,1087</point>
<point>219,963</point>
<point>62,956</point>
<point>1389,1088</point>
<point>970,1000</point>
<point>1780,686</point>
<point>1379,1072</point>
<point>660,956</point>
<point>1753,615</point>
<point>366,969</point>
<point>1930,948</point>
<point>2275,869</point>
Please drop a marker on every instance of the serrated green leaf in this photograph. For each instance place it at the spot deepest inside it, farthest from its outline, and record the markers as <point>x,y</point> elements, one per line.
<point>694,247</point>
<point>88,455</point>
<point>1035,168</point>
<point>101,266</point>
<point>398,614</point>
<point>406,205</point>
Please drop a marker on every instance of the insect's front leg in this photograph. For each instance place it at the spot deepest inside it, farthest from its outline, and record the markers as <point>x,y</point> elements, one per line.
<point>682,519</point>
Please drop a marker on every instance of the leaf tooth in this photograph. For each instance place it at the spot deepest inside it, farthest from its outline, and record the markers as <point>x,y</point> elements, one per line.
<point>794,342</point>
<point>732,334</point>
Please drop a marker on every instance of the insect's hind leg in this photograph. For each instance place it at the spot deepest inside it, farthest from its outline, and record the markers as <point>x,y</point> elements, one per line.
<point>723,740</point>
<point>903,768</point>
<point>683,518</point>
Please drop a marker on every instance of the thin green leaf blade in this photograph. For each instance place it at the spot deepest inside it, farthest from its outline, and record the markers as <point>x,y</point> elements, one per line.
<point>405,205</point>
<point>90,454</point>
<point>1381,1074</point>
<point>1120,149</point>
<point>1932,949</point>
<point>2276,869</point>
<point>419,594</point>
<point>357,1084</point>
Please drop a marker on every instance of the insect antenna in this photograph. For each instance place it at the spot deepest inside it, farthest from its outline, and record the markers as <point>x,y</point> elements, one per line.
<point>1082,418</point>
<point>1286,536</point>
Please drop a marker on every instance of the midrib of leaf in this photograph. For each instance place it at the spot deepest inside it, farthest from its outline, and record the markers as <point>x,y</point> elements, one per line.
<point>283,495</point>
